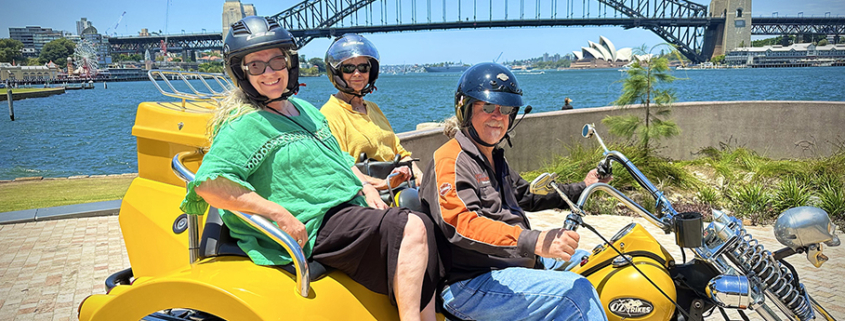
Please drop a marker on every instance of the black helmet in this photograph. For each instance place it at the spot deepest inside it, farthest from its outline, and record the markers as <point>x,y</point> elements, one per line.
<point>346,47</point>
<point>253,34</point>
<point>488,82</point>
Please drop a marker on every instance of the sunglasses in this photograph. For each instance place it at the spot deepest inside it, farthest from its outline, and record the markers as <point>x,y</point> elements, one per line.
<point>348,68</point>
<point>505,110</point>
<point>258,67</point>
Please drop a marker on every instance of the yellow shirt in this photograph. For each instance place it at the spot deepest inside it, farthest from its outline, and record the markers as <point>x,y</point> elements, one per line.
<point>358,133</point>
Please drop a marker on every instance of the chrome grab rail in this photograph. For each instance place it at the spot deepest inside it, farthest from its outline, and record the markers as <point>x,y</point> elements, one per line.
<point>209,94</point>
<point>303,280</point>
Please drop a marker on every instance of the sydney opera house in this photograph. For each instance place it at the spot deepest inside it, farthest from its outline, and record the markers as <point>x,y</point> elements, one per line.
<point>601,55</point>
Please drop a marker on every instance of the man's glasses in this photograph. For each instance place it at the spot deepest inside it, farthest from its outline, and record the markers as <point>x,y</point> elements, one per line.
<point>505,110</point>
<point>258,67</point>
<point>348,68</point>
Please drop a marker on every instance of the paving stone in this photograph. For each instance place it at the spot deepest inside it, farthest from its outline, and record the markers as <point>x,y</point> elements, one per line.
<point>56,263</point>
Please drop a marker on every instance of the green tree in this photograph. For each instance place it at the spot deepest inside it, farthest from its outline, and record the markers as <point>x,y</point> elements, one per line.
<point>645,74</point>
<point>10,49</point>
<point>321,66</point>
<point>33,62</point>
<point>718,59</point>
<point>823,42</point>
<point>213,67</point>
<point>177,59</point>
<point>57,51</point>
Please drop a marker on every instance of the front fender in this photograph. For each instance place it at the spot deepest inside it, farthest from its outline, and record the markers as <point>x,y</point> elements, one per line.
<point>234,288</point>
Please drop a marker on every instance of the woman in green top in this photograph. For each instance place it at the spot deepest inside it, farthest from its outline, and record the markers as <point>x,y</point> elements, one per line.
<point>273,155</point>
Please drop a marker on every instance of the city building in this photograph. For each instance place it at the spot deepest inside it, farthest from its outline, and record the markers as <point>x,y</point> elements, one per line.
<point>234,10</point>
<point>25,73</point>
<point>601,55</point>
<point>41,39</point>
<point>27,37</point>
<point>796,55</point>
<point>81,25</point>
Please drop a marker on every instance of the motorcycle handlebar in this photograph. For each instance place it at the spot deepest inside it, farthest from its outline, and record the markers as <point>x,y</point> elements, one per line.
<point>664,207</point>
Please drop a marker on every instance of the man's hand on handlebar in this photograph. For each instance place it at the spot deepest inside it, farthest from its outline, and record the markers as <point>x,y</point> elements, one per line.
<point>593,177</point>
<point>557,244</point>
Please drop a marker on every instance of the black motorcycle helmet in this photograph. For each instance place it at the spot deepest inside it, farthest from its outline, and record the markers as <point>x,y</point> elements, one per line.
<point>346,47</point>
<point>488,82</point>
<point>253,34</point>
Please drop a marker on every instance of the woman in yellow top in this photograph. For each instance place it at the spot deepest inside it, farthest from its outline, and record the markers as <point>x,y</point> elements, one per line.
<point>352,64</point>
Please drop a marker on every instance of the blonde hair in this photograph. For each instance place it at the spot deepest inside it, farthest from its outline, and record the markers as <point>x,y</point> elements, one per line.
<point>236,104</point>
<point>451,126</point>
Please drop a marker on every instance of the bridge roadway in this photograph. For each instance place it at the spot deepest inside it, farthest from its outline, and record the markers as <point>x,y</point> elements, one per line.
<point>47,268</point>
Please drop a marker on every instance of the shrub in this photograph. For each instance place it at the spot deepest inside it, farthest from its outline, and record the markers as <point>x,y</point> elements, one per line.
<point>791,193</point>
<point>833,201</point>
<point>750,201</point>
<point>708,195</point>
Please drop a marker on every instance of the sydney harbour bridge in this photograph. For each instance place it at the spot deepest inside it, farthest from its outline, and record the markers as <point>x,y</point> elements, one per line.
<point>696,30</point>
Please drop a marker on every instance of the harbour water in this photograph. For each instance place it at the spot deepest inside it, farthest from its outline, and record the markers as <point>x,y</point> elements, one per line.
<point>88,132</point>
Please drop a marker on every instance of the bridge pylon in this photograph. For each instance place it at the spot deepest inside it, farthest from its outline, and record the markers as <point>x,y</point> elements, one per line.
<point>736,30</point>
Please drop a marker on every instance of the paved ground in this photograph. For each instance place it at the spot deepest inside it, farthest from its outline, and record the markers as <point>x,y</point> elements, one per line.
<point>48,268</point>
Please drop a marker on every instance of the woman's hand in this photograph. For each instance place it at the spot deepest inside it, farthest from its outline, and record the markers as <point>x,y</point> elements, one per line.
<point>404,174</point>
<point>292,226</point>
<point>373,198</point>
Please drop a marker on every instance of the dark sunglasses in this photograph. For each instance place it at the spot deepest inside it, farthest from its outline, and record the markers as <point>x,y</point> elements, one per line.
<point>348,68</point>
<point>258,67</point>
<point>505,110</point>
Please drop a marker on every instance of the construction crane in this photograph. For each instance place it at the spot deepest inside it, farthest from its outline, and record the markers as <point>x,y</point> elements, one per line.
<point>116,24</point>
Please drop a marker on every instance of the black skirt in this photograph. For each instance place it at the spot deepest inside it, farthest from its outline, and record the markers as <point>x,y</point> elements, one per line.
<point>364,243</point>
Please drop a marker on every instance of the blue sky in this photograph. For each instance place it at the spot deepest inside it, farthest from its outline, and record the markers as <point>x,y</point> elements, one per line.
<point>469,46</point>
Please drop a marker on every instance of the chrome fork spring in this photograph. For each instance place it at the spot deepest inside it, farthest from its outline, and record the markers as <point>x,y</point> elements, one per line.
<point>752,256</point>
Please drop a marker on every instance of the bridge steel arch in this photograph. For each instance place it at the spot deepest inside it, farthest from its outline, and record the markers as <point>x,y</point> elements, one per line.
<point>682,23</point>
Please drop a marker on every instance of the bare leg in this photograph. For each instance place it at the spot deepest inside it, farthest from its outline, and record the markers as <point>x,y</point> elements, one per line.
<point>410,270</point>
<point>428,313</point>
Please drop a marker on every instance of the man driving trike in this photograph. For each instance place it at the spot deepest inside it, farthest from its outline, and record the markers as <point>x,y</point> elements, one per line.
<point>501,269</point>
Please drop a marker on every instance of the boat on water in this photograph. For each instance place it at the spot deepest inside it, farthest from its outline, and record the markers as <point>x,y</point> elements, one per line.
<point>447,68</point>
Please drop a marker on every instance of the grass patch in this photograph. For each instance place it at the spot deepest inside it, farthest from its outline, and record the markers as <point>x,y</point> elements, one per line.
<point>28,90</point>
<point>733,178</point>
<point>48,193</point>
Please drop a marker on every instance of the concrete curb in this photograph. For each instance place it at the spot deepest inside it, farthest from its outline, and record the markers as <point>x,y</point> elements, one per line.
<point>62,212</point>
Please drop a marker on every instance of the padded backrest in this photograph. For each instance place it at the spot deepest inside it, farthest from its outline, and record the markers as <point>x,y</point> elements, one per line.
<point>216,240</point>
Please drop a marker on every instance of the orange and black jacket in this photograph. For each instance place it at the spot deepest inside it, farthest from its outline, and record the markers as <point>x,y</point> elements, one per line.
<point>480,211</point>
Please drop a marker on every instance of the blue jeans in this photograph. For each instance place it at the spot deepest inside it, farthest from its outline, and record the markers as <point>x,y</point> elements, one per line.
<point>526,294</point>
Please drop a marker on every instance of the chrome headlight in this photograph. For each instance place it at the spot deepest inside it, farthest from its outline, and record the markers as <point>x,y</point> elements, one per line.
<point>800,227</point>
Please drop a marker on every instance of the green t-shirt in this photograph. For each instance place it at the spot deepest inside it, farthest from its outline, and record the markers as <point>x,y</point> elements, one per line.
<point>267,153</point>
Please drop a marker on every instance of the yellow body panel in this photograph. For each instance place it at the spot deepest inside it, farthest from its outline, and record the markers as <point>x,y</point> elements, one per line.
<point>625,282</point>
<point>234,288</point>
<point>147,214</point>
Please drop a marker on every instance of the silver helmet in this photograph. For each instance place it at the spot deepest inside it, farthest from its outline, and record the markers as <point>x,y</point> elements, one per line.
<point>347,47</point>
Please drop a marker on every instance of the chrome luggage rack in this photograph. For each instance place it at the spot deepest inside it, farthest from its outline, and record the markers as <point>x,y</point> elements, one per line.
<point>211,93</point>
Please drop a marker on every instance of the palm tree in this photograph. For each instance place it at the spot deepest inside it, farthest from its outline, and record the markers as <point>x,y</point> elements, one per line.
<point>640,87</point>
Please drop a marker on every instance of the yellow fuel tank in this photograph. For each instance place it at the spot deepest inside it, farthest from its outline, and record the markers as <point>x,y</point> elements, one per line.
<point>624,292</point>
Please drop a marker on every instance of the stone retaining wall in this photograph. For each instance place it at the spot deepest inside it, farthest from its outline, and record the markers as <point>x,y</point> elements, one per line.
<point>32,94</point>
<point>775,129</point>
